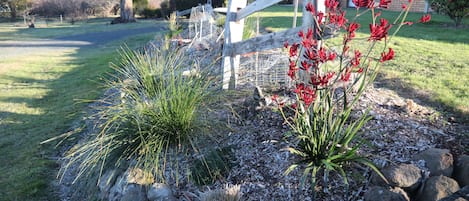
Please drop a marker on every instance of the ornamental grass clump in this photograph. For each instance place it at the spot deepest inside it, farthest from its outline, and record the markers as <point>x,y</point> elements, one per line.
<point>324,78</point>
<point>154,110</point>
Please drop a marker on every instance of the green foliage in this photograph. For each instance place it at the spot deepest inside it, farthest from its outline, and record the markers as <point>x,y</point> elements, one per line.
<point>250,27</point>
<point>457,10</point>
<point>212,166</point>
<point>157,112</point>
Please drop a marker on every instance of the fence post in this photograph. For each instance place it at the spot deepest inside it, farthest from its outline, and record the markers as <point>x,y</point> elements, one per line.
<point>233,33</point>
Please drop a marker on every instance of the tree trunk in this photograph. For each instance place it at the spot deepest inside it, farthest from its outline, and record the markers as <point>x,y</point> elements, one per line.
<point>127,13</point>
<point>13,10</point>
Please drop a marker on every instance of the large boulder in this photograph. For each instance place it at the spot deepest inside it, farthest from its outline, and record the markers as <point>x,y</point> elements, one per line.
<point>438,161</point>
<point>131,185</point>
<point>406,176</point>
<point>379,193</point>
<point>437,187</point>
<point>461,170</point>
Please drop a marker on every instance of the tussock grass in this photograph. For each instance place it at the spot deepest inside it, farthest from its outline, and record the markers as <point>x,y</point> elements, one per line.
<point>154,112</point>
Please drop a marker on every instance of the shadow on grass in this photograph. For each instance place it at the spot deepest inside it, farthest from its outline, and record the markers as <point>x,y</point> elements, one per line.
<point>29,167</point>
<point>406,90</point>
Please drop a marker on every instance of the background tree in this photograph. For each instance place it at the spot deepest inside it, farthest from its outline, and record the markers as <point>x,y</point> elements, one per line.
<point>127,13</point>
<point>455,9</point>
<point>16,6</point>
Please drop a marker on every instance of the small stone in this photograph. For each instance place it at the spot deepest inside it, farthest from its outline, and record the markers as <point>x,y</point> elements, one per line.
<point>160,192</point>
<point>134,192</point>
<point>437,187</point>
<point>406,176</point>
<point>461,170</point>
<point>379,193</point>
<point>139,176</point>
<point>438,161</point>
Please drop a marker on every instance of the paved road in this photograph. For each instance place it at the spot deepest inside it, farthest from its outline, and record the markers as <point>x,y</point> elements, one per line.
<point>19,48</point>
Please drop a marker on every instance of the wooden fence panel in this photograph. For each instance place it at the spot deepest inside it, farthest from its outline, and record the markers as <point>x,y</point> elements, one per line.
<point>234,26</point>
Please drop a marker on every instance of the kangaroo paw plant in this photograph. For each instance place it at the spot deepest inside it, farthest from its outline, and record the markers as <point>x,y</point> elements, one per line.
<point>323,77</point>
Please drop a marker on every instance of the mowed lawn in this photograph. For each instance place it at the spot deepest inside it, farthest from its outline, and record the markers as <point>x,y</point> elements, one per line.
<point>431,63</point>
<point>42,95</point>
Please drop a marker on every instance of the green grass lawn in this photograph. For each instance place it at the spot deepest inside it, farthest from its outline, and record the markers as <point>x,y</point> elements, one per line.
<point>19,31</point>
<point>431,59</point>
<point>41,95</point>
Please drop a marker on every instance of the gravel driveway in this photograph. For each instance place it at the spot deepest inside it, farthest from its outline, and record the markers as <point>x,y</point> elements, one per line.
<point>14,48</point>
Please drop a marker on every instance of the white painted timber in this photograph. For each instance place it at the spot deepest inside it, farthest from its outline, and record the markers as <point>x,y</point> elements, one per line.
<point>255,7</point>
<point>233,33</point>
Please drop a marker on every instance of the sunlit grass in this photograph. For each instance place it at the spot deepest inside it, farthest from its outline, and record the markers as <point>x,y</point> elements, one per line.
<point>41,95</point>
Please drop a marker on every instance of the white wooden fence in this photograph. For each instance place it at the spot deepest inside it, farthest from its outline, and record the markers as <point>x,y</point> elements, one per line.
<point>234,25</point>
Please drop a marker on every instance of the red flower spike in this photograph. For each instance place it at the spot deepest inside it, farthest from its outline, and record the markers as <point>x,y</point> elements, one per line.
<point>351,30</point>
<point>360,70</point>
<point>426,18</point>
<point>356,60</point>
<point>322,54</point>
<point>380,31</point>
<point>404,6</point>
<point>331,56</point>
<point>346,76</point>
<point>308,95</point>
<point>309,34</point>
<point>384,3</point>
<point>311,54</point>
<point>377,14</point>
<point>310,8</point>
<point>305,65</point>
<point>301,34</point>
<point>285,45</point>
<point>325,79</point>
<point>294,50</point>
<point>341,19</point>
<point>275,98</point>
<point>315,80</point>
<point>364,3</point>
<point>332,4</point>
<point>387,56</point>
<point>320,17</point>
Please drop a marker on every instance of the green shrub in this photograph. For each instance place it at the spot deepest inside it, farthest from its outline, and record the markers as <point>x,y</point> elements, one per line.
<point>455,9</point>
<point>151,13</point>
<point>157,111</point>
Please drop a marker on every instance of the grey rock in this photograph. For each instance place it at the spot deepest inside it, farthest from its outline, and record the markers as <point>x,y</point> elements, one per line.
<point>134,192</point>
<point>461,195</point>
<point>437,187</point>
<point>438,161</point>
<point>406,176</point>
<point>461,170</point>
<point>117,190</point>
<point>379,193</point>
<point>106,182</point>
<point>160,192</point>
<point>138,176</point>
